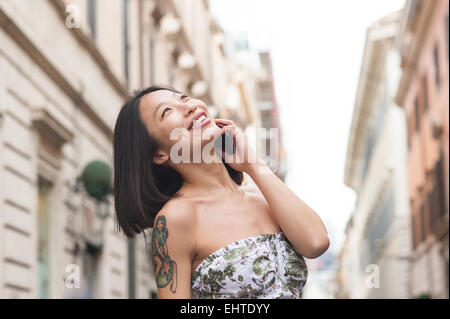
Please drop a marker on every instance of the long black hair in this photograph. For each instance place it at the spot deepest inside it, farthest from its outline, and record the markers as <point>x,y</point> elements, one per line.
<point>141,187</point>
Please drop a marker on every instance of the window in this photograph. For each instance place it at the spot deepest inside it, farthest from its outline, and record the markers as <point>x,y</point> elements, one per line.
<point>92,15</point>
<point>422,218</point>
<point>417,113</point>
<point>422,222</point>
<point>44,238</point>
<point>414,230</point>
<point>433,206</point>
<point>440,185</point>
<point>410,129</point>
<point>425,92</point>
<point>436,196</point>
<point>436,66</point>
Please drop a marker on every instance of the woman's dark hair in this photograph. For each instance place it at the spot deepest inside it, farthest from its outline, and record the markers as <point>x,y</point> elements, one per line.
<point>141,187</point>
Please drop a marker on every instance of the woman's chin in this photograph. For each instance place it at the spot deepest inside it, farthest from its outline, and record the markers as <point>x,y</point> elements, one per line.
<point>207,133</point>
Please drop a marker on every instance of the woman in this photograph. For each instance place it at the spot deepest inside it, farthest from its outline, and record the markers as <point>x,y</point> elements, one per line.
<point>213,236</point>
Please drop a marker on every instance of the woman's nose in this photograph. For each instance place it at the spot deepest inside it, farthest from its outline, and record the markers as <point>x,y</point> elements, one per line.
<point>190,109</point>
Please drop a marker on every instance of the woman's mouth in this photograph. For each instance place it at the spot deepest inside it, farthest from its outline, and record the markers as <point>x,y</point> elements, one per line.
<point>200,122</point>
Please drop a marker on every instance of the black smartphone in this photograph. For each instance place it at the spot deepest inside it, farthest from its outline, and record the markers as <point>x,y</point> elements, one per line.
<point>225,143</point>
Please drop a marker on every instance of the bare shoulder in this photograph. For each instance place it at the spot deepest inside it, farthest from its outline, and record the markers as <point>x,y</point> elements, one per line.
<point>179,213</point>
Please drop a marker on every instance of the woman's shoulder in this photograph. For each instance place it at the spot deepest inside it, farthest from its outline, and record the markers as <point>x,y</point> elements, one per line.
<point>179,212</point>
<point>180,221</point>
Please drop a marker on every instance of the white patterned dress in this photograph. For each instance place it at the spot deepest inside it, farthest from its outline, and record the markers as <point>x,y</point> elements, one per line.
<point>263,266</point>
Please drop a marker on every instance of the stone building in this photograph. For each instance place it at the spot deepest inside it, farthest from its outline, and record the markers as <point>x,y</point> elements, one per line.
<point>422,93</point>
<point>59,100</point>
<point>66,66</point>
<point>375,259</point>
<point>423,43</point>
<point>268,108</point>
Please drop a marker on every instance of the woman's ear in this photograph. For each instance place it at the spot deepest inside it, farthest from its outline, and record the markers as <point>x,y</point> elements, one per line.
<point>160,158</point>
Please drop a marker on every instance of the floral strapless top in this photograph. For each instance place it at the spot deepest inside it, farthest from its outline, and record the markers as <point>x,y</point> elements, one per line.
<point>262,266</point>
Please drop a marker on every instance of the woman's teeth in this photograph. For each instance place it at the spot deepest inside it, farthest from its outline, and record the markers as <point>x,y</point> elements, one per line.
<point>199,120</point>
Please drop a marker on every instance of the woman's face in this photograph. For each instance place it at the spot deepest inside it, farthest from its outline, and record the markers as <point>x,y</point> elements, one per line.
<point>164,111</point>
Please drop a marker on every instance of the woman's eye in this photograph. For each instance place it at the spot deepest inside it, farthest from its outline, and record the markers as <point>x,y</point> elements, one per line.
<point>164,112</point>
<point>183,97</point>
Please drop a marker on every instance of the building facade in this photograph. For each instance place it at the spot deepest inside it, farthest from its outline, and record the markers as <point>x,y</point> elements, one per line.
<point>66,67</point>
<point>375,259</point>
<point>59,100</point>
<point>268,107</point>
<point>423,94</point>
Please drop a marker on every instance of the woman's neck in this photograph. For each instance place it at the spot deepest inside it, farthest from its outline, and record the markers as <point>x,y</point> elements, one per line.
<point>203,178</point>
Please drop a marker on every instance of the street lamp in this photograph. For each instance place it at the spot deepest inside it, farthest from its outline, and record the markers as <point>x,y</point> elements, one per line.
<point>94,182</point>
<point>103,204</point>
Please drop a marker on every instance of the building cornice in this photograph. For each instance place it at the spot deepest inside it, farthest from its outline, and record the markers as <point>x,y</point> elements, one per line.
<point>50,128</point>
<point>377,43</point>
<point>186,41</point>
<point>421,22</point>
<point>21,39</point>
<point>87,43</point>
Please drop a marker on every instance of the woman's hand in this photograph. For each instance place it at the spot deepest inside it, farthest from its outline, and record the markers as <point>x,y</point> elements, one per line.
<point>244,158</point>
<point>301,224</point>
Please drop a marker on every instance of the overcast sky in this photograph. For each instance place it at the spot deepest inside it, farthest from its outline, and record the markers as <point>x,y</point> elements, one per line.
<point>317,47</point>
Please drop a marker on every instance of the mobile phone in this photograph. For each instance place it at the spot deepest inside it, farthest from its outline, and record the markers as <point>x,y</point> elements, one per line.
<point>225,143</point>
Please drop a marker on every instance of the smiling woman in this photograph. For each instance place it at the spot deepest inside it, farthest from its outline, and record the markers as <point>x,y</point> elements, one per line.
<point>213,236</point>
<point>141,188</point>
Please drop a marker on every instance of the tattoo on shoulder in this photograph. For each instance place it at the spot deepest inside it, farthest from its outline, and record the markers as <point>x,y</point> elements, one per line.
<point>165,268</point>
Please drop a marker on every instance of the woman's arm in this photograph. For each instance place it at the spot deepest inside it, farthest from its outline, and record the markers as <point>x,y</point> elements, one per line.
<point>300,223</point>
<point>174,278</point>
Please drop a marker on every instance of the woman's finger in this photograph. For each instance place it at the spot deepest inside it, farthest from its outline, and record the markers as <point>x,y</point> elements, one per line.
<point>223,122</point>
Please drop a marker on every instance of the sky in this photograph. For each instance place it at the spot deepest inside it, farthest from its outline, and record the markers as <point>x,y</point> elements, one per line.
<point>317,48</point>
